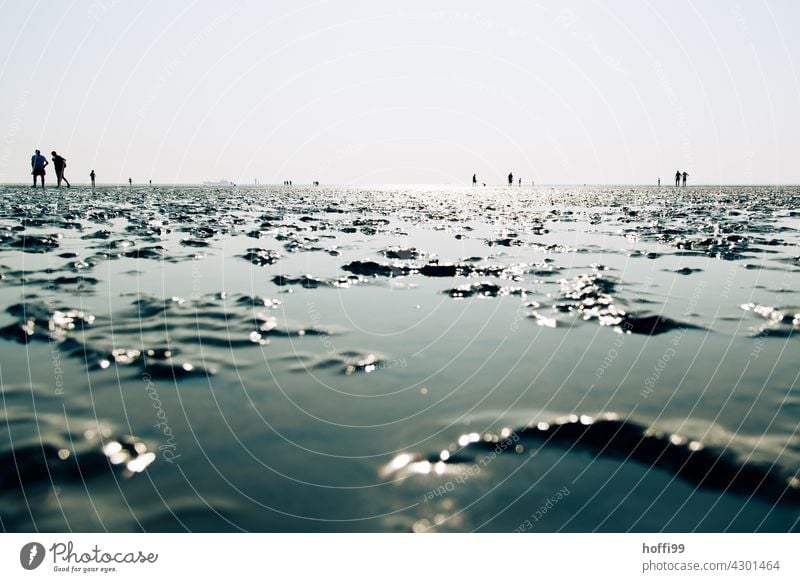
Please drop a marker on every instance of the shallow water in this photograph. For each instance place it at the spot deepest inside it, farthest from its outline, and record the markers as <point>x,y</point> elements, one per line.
<point>400,359</point>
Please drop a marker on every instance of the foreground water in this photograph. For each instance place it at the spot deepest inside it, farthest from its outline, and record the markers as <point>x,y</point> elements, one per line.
<point>399,359</point>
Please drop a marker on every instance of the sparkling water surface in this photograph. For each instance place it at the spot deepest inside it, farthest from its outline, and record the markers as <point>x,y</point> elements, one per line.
<point>425,358</point>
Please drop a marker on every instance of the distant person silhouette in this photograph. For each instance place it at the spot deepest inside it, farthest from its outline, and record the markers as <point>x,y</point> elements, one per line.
<point>678,178</point>
<point>474,179</point>
<point>520,182</point>
<point>659,181</point>
<point>38,164</point>
<point>510,178</point>
<point>59,162</point>
<point>92,176</point>
<point>130,181</point>
<point>685,175</point>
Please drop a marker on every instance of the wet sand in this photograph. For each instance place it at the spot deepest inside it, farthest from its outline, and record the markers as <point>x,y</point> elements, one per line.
<point>400,359</point>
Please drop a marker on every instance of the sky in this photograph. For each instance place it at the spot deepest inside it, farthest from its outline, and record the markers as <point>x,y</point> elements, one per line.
<point>356,92</point>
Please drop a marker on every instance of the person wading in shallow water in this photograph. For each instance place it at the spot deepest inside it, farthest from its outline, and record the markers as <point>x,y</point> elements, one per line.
<point>474,179</point>
<point>678,178</point>
<point>510,179</point>
<point>92,175</point>
<point>685,175</point>
<point>38,163</point>
<point>60,163</point>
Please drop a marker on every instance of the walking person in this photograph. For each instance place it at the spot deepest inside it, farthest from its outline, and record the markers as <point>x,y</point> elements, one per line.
<point>60,162</point>
<point>677,177</point>
<point>685,175</point>
<point>92,175</point>
<point>38,164</point>
<point>474,179</point>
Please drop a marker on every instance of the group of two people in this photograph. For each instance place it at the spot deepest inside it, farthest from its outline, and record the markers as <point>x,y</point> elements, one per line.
<point>39,163</point>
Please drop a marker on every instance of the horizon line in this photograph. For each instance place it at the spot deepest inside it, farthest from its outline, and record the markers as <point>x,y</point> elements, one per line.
<point>465,184</point>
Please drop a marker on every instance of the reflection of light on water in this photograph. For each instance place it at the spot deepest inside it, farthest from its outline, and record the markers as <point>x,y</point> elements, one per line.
<point>400,461</point>
<point>466,439</point>
<point>139,464</point>
<point>421,467</point>
<point>136,460</point>
<point>112,448</point>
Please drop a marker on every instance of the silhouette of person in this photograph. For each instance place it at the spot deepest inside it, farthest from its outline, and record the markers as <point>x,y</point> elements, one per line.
<point>510,178</point>
<point>520,182</point>
<point>474,179</point>
<point>685,175</point>
<point>130,181</point>
<point>38,163</point>
<point>59,162</point>
<point>659,181</point>
<point>678,178</point>
<point>92,175</point>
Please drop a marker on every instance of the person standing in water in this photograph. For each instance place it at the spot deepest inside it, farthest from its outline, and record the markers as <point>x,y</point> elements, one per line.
<point>685,175</point>
<point>474,179</point>
<point>520,182</point>
<point>130,181</point>
<point>38,164</point>
<point>659,181</point>
<point>92,175</point>
<point>677,177</point>
<point>60,163</point>
<point>510,178</point>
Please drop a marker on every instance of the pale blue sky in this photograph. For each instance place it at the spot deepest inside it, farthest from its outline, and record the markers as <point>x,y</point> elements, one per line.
<point>403,92</point>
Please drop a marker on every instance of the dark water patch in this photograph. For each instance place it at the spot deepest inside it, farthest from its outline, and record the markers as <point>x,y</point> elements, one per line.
<point>65,458</point>
<point>783,322</point>
<point>375,269</point>
<point>687,271</point>
<point>347,362</point>
<point>195,243</point>
<point>651,324</point>
<point>609,436</point>
<point>402,253</point>
<point>311,282</point>
<point>258,301</point>
<point>30,243</point>
<point>484,289</point>
<point>592,297</point>
<point>273,326</point>
<point>261,257</point>
<point>510,241</point>
<point>435,269</point>
<point>155,253</point>
<point>101,234</point>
